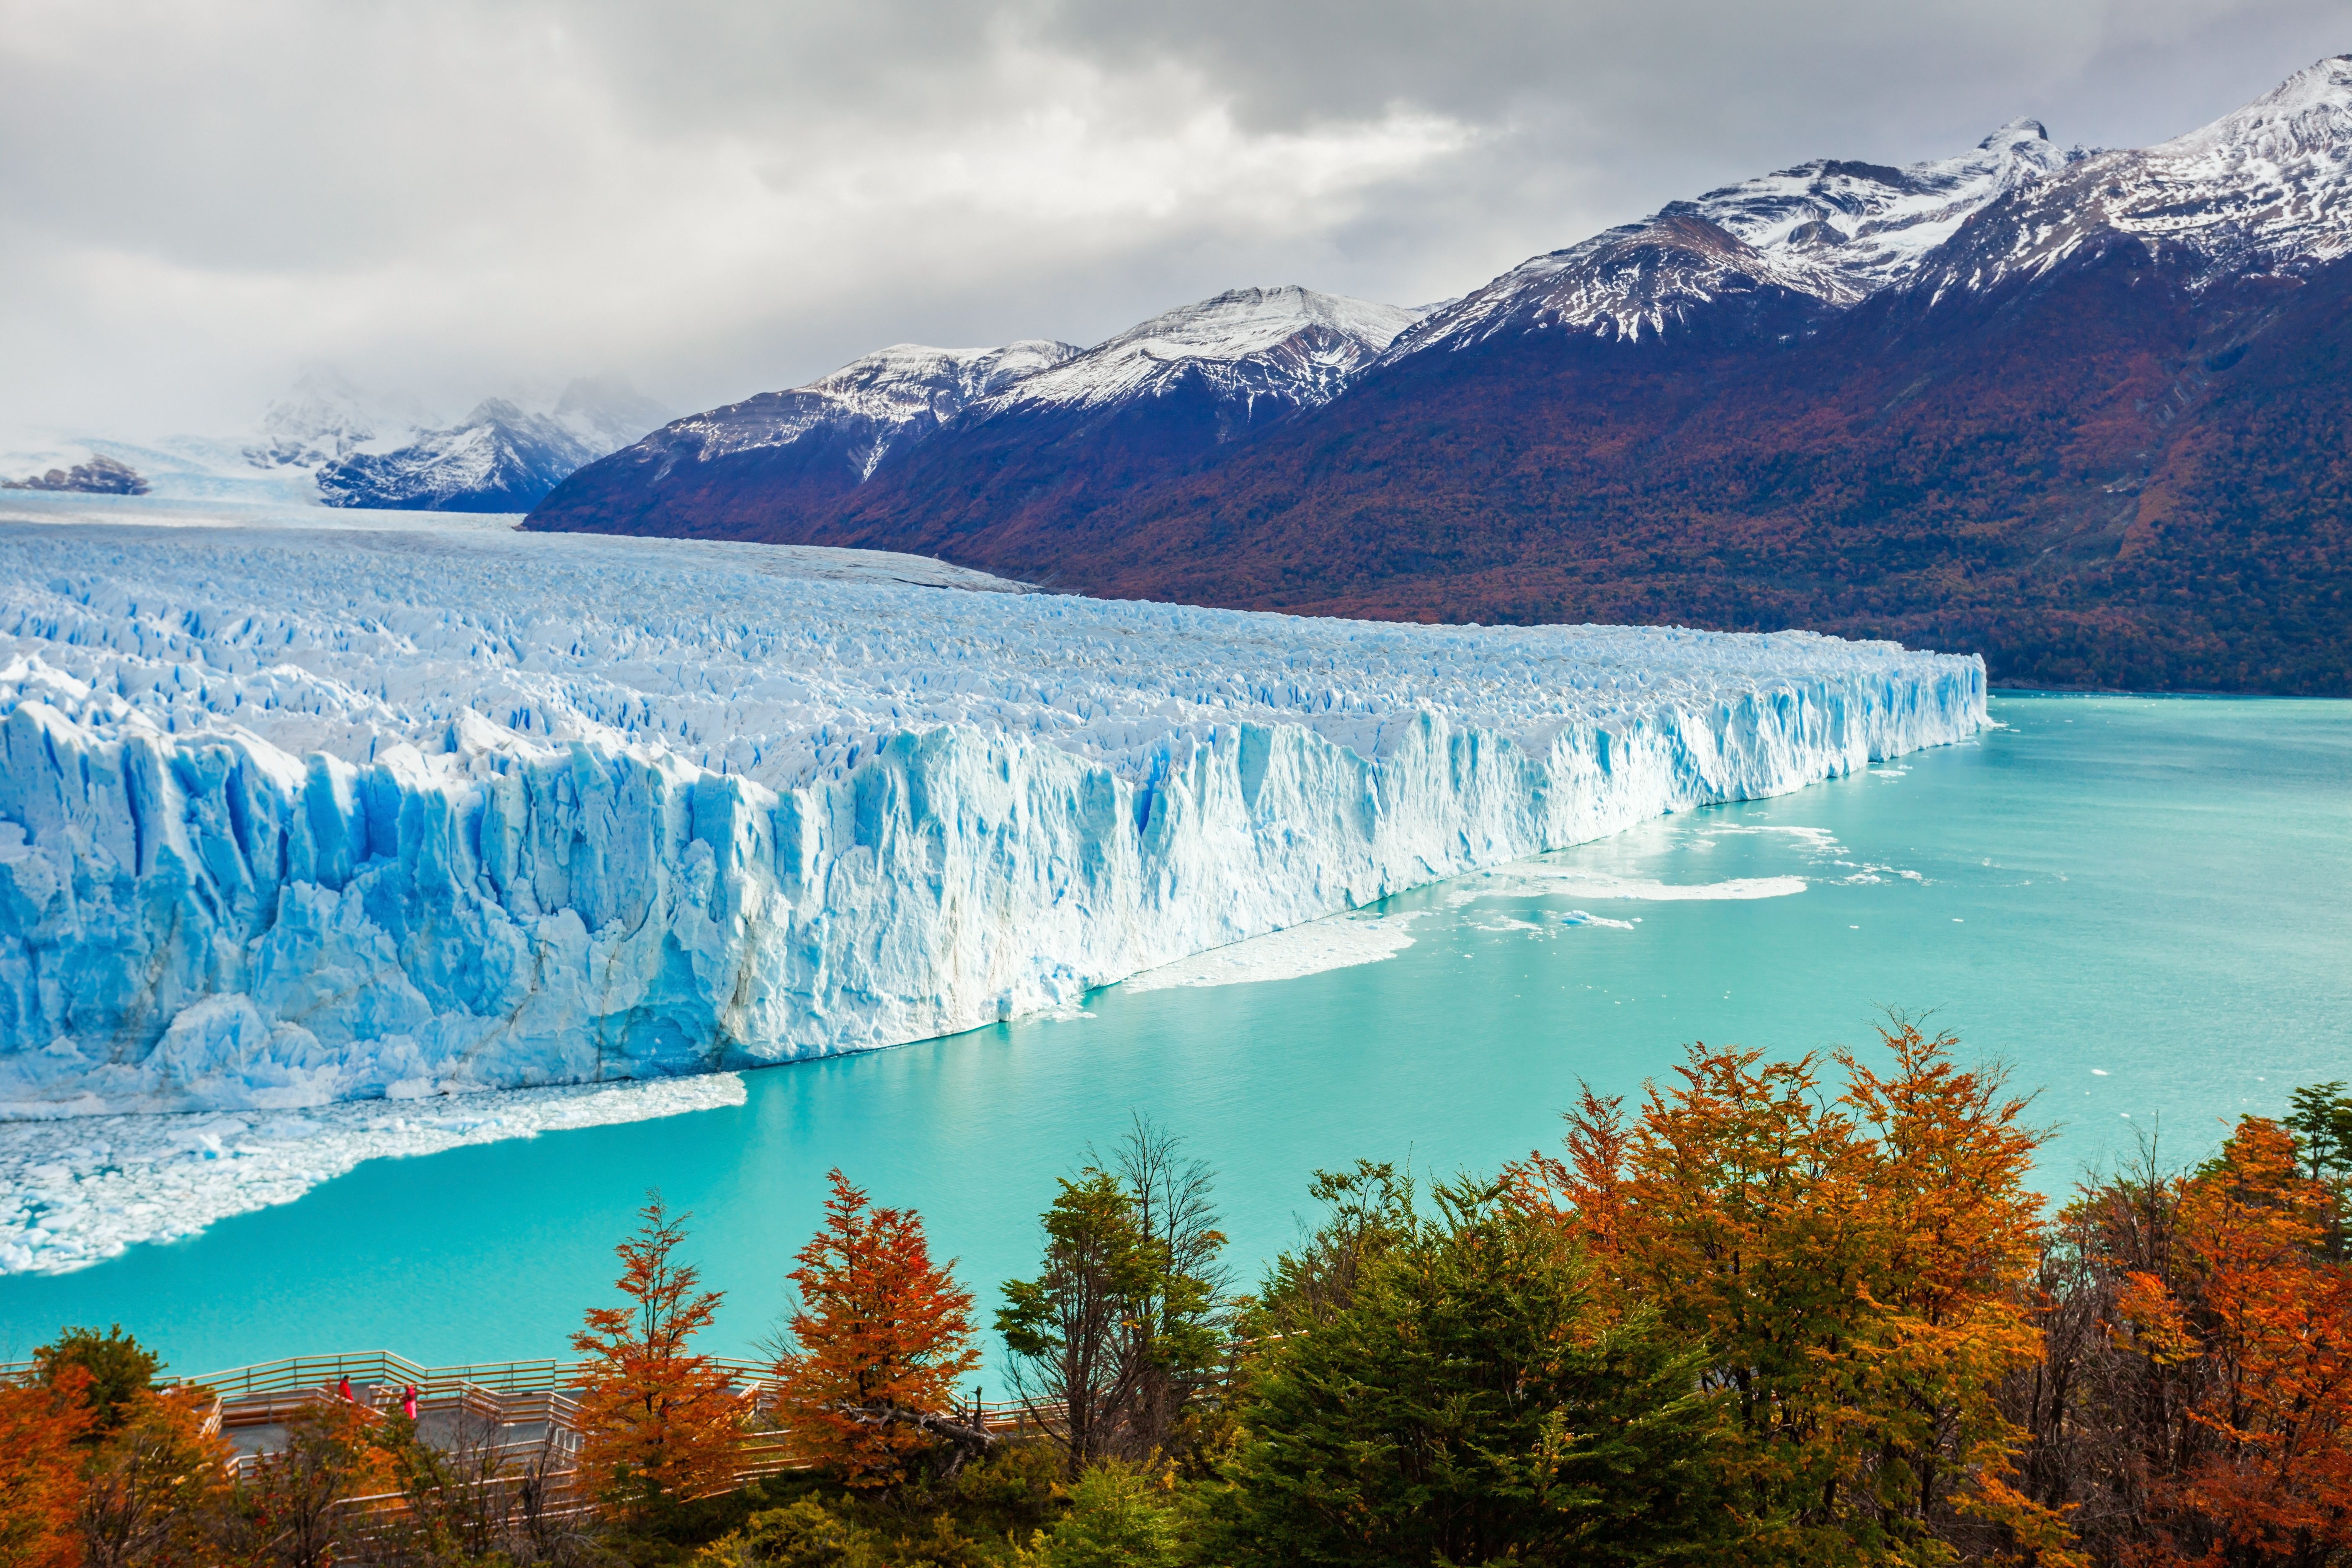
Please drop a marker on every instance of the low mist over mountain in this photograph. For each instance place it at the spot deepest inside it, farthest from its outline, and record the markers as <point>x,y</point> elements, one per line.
<point>500,456</point>
<point>2082,410</point>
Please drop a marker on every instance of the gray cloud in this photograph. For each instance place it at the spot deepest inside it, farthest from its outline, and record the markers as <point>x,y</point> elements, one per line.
<point>714,198</point>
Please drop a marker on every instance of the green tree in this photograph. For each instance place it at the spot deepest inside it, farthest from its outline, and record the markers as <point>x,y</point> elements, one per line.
<point>121,1371</point>
<point>1181,1322</point>
<point>1071,1330</point>
<point>1445,1388</point>
<point>2322,1124</point>
<point>802,1534</point>
<point>1120,1517</point>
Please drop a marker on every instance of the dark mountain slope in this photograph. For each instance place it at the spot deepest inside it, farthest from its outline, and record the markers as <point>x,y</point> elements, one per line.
<point>730,472</point>
<point>2095,477</point>
<point>945,439</point>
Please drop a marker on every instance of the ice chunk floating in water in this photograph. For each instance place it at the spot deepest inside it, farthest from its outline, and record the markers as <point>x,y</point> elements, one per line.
<point>291,815</point>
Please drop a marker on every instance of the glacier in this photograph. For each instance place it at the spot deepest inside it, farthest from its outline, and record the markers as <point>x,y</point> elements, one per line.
<point>293,814</point>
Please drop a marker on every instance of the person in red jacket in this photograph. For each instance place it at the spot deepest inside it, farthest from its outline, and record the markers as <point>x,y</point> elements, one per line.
<point>343,1390</point>
<point>408,1402</point>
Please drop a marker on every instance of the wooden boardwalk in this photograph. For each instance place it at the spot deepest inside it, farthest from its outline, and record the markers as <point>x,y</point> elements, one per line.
<point>528,1411</point>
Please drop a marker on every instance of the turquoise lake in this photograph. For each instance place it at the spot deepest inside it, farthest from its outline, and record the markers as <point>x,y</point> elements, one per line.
<point>2143,906</point>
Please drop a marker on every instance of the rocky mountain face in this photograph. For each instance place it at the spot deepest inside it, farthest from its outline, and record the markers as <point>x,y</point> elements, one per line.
<point>101,475</point>
<point>2082,411</point>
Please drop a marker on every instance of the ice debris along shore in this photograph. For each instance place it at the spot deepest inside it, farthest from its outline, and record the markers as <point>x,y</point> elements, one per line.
<point>79,1190</point>
<point>291,815</point>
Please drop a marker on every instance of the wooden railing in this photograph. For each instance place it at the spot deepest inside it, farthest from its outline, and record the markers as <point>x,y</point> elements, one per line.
<point>512,1392</point>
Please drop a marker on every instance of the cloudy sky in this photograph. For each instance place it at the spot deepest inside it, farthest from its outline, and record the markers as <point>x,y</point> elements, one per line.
<point>198,201</point>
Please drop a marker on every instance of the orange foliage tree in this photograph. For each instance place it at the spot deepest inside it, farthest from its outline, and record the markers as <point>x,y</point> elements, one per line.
<point>2250,1328</point>
<point>155,1483</point>
<point>878,1345</point>
<point>658,1421</point>
<point>40,1471</point>
<point>1852,1265</point>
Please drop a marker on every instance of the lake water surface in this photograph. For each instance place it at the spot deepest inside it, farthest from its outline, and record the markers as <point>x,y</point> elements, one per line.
<point>2143,906</point>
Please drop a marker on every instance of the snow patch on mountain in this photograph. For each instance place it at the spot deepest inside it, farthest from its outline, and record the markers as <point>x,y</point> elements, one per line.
<point>871,408</point>
<point>291,815</point>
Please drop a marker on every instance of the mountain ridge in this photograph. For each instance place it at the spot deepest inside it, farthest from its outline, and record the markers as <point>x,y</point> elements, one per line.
<point>1999,400</point>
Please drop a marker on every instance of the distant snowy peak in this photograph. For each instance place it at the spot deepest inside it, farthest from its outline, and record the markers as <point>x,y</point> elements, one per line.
<point>606,412</point>
<point>1291,345</point>
<point>2264,188</point>
<point>1240,360</point>
<point>320,420</point>
<point>1828,232</point>
<point>497,458</point>
<point>374,451</point>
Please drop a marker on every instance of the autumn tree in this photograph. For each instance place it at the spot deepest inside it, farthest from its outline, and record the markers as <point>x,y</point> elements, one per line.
<point>877,1343</point>
<point>156,1483</point>
<point>659,1423</point>
<point>41,1425</point>
<point>2247,1325</point>
<point>1854,1263</point>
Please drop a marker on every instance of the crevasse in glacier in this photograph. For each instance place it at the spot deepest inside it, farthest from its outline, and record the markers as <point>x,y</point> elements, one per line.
<point>292,815</point>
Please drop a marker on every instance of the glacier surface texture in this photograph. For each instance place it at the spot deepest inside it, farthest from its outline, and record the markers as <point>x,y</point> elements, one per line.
<point>293,814</point>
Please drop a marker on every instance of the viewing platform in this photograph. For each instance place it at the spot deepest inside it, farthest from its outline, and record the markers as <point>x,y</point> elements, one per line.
<point>518,1418</point>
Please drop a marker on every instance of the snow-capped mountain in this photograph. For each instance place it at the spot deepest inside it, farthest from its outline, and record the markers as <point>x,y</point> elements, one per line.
<point>2265,189</point>
<point>323,418</point>
<point>1179,384</point>
<point>499,457</point>
<point>1261,350</point>
<point>1828,233</point>
<point>802,446</point>
<point>861,413</point>
<point>370,450</point>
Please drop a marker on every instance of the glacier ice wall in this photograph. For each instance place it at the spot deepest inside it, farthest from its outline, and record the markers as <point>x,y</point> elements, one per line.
<point>291,815</point>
